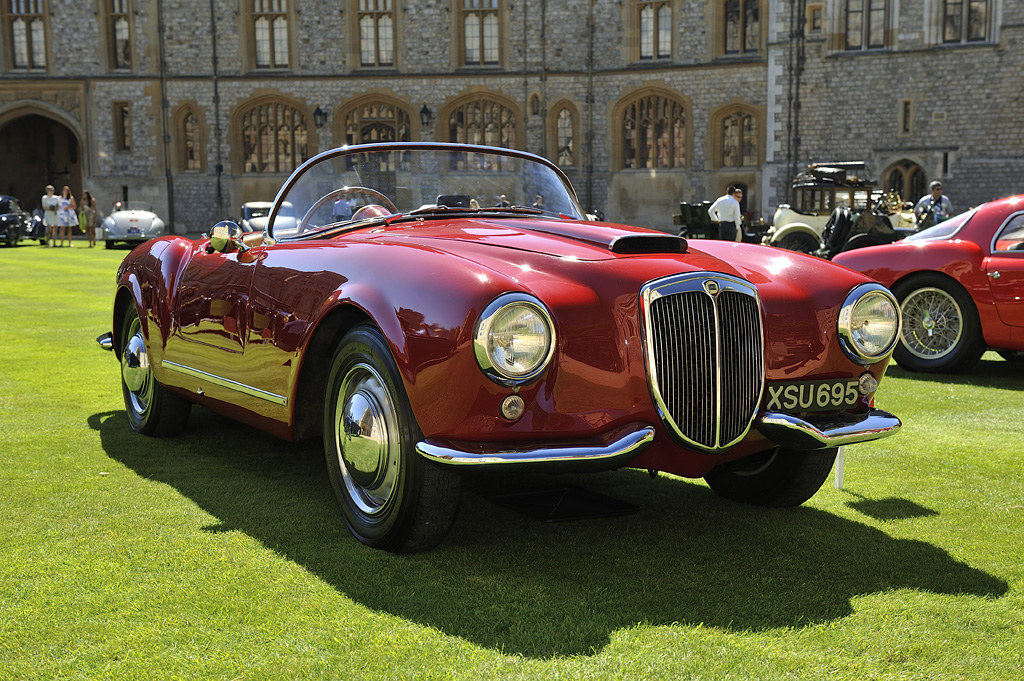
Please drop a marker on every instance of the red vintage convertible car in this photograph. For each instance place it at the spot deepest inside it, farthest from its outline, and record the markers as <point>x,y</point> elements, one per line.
<point>960,284</point>
<point>414,306</point>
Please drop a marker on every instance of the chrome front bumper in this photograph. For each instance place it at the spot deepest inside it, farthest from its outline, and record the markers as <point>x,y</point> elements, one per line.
<point>820,431</point>
<point>617,448</point>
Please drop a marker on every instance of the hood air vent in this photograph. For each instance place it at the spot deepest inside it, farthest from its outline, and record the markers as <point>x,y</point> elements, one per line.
<point>636,244</point>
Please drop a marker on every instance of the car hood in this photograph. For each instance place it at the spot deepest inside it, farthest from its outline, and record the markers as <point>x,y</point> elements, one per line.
<point>566,264</point>
<point>589,250</point>
<point>588,241</point>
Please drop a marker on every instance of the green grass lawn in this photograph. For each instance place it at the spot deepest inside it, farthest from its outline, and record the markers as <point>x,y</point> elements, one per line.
<point>220,555</point>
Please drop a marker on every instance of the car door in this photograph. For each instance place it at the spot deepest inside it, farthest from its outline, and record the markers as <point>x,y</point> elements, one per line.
<point>213,312</point>
<point>1005,270</point>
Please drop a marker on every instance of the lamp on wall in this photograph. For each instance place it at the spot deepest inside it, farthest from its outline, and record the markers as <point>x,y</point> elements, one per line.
<point>426,115</point>
<point>319,117</point>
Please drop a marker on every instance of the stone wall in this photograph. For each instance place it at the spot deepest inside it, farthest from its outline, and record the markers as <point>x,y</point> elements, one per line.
<point>964,128</point>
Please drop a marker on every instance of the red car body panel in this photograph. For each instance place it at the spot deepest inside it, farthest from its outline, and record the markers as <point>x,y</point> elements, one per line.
<point>253,316</point>
<point>994,280</point>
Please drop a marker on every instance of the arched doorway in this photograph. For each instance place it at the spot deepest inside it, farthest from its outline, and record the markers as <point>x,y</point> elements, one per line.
<point>36,151</point>
<point>907,179</point>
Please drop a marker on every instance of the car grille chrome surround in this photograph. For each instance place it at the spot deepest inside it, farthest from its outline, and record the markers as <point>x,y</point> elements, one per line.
<point>704,348</point>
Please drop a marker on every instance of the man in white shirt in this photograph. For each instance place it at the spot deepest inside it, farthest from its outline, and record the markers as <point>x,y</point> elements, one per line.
<point>933,207</point>
<point>726,212</point>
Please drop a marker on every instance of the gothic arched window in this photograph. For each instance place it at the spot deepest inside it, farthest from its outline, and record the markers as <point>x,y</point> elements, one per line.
<point>274,138</point>
<point>653,132</point>
<point>739,140</point>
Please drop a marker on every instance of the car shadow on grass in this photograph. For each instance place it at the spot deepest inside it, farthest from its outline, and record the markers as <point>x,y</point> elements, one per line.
<point>989,372</point>
<point>507,582</point>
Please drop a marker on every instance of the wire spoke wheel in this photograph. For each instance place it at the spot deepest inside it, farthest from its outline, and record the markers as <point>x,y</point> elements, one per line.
<point>933,323</point>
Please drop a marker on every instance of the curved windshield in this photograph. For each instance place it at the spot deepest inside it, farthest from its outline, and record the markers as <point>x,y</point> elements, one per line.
<point>945,229</point>
<point>353,185</point>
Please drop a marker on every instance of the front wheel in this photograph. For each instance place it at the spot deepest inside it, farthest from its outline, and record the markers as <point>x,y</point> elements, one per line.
<point>941,330</point>
<point>800,242</point>
<point>778,477</point>
<point>152,410</point>
<point>389,495</point>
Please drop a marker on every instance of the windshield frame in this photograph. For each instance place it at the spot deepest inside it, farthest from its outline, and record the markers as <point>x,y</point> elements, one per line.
<point>433,147</point>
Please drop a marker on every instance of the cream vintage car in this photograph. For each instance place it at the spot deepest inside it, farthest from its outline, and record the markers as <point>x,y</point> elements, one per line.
<point>799,226</point>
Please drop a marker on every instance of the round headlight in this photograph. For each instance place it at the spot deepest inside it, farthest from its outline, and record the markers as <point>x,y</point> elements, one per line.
<point>514,339</point>
<point>869,323</point>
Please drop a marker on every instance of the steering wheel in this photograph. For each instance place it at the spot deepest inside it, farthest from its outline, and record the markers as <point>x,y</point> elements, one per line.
<point>344,192</point>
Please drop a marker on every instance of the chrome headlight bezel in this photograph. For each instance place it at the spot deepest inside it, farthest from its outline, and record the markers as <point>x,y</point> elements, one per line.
<point>849,323</point>
<point>485,330</point>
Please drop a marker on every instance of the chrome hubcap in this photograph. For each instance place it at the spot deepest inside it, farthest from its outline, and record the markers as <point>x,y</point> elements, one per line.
<point>932,323</point>
<point>135,370</point>
<point>366,439</point>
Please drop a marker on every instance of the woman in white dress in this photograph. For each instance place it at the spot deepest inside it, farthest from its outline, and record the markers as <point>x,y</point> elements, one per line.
<point>67,214</point>
<point>50,204</point>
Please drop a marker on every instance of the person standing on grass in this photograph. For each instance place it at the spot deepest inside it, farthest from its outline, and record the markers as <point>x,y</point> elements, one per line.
<point>50,204</point>
<point>88,216</point>
<point>66,213</point>
<point>726,212</point>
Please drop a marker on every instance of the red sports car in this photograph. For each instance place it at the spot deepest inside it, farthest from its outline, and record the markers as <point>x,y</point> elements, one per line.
<point>420,309</point>
<point>960,285</point>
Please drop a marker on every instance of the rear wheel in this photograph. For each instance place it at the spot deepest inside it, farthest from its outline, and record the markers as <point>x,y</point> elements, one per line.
<point>941,330</point>
<point>389,495</point>
<point>777,477</point>
<point>152,410</point>
<point>800,242</point>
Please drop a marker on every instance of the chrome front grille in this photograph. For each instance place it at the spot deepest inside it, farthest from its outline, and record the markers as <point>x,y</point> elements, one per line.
<point>705,356</point>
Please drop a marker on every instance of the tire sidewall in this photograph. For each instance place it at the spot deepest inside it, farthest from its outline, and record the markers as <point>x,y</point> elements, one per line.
<point>387,529</point>
<point>776,478</point>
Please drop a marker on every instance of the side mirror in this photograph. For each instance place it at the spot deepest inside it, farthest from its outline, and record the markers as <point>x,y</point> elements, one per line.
<point>226,237</point>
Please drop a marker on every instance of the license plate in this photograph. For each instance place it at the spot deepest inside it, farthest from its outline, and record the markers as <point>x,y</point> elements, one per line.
<point>134,231</point>
<point>800,396</point>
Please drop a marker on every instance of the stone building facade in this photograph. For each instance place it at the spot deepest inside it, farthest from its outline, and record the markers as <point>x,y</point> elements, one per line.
<point>197,106</point>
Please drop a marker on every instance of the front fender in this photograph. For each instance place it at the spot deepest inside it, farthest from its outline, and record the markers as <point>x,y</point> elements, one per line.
<point>779,233</point>
<point>148,277</point>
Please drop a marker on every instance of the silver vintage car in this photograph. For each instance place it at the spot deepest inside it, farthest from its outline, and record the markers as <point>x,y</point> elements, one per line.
<point>132,222</point>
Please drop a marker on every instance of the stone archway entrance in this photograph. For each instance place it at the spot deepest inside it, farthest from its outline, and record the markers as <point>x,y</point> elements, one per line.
<point>36,151</point>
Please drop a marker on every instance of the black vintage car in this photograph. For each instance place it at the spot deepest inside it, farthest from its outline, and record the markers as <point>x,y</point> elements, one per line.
<point>15,222</point>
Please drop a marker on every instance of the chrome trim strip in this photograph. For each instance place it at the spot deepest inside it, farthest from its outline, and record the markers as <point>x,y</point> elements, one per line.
<point>227,383</point>
<point>622,446</point>
<point>819,431</point>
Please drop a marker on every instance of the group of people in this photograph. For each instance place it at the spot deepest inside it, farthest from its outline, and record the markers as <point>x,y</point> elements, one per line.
<point>931,209</point>
<point>61,214</point>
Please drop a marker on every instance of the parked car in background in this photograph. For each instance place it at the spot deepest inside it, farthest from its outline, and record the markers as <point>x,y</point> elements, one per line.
<point>960,285</point>
<point>816,196</point>
<point>848,231</point>
<point>131,222</point>
<point>254,215</point>
<point>423,337</point>
<point>15,222</point>
<point>37,230</point>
